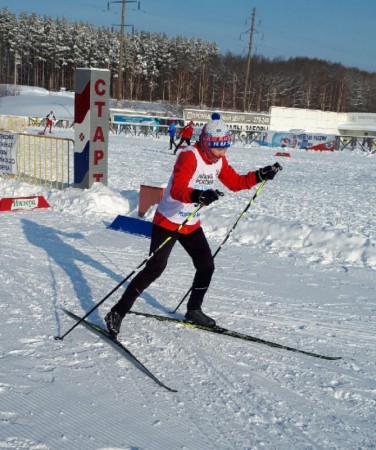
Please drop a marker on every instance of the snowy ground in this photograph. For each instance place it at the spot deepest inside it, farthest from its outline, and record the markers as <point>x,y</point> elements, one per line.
<point>299,270</point>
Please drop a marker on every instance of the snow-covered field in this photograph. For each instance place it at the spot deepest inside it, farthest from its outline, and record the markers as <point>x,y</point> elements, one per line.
<point>299,270</point>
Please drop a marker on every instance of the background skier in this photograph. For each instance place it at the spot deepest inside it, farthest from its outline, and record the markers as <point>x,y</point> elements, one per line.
<point>172,133</point>
<point>49,121</point>
<point>185,135</point>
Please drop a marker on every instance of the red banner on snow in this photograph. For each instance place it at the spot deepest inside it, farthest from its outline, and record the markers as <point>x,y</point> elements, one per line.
<point>23,203</point>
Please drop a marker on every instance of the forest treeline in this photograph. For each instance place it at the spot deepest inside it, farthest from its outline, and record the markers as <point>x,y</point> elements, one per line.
<point>44,52</point>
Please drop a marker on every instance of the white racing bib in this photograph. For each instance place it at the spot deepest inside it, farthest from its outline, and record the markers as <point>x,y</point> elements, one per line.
<point>202,179</point>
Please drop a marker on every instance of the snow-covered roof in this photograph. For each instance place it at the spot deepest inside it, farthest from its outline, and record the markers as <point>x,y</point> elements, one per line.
<point>152,108</point>
<point>351,126</point>
<point>31,105</point>
<point>37,102</point>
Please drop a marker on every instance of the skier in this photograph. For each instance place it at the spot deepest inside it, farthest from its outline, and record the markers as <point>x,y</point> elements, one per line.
<point>191,183</point>
<point>172,133</point>
<point>185,134</point>
<point>49,121</point>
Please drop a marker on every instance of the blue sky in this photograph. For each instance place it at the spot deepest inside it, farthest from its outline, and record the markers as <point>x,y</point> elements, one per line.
<point>334,30</point>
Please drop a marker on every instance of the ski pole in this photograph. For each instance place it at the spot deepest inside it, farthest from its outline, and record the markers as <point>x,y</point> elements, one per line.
<point>133,271</point>
<point>225,239</point>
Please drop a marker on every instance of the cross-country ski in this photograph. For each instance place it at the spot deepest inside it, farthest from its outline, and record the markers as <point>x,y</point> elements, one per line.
<point>101,332</point>
<point>234,334</point>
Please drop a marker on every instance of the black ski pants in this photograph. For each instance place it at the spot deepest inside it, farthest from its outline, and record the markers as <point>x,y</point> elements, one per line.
<point>172,142</point>
<point>187,140</point>
<point>197,247</point>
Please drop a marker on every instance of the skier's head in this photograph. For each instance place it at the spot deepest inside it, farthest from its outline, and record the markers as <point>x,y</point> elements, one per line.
<point>215,137</point>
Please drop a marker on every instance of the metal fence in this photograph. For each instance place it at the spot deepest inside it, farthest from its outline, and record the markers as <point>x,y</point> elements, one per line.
<point>156,131</point>
<point>365,143</point>
<point>44,161</point>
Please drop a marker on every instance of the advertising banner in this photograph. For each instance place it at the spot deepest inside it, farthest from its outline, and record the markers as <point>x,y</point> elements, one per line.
<point>135,120</point>
<point>235,120</point>
<point>23,203</point>
<point>8,153</point>
<point>288,140</point>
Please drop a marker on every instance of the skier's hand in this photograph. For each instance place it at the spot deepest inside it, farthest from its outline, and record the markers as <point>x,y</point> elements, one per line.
<point>268,172</point>
<point>204,198</point>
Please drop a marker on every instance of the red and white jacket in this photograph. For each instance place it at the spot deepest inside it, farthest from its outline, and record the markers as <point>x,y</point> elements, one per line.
<point>194,170</point>
<point>187,131</point>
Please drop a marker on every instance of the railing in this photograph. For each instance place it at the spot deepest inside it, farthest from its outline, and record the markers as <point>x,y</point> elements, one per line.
<point>365,143</point>
<point>137,129</point>
<point>155,131</point>
<point>42,121</point>
<point>44,161</point>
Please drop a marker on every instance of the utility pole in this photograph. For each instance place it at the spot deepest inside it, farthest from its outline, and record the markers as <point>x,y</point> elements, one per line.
<point>17,62</point>
<point>248,71</point>
<point>119,85</point>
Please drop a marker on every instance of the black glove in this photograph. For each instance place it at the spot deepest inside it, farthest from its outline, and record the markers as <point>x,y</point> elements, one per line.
<point>268,172</point>
<point>204,198</point>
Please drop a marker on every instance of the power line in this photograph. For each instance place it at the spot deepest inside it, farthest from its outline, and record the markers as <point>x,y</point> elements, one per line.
<point>119,85</point>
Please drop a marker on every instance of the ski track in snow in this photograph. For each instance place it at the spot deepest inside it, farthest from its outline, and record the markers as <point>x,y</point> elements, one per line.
<point>298,270</point>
